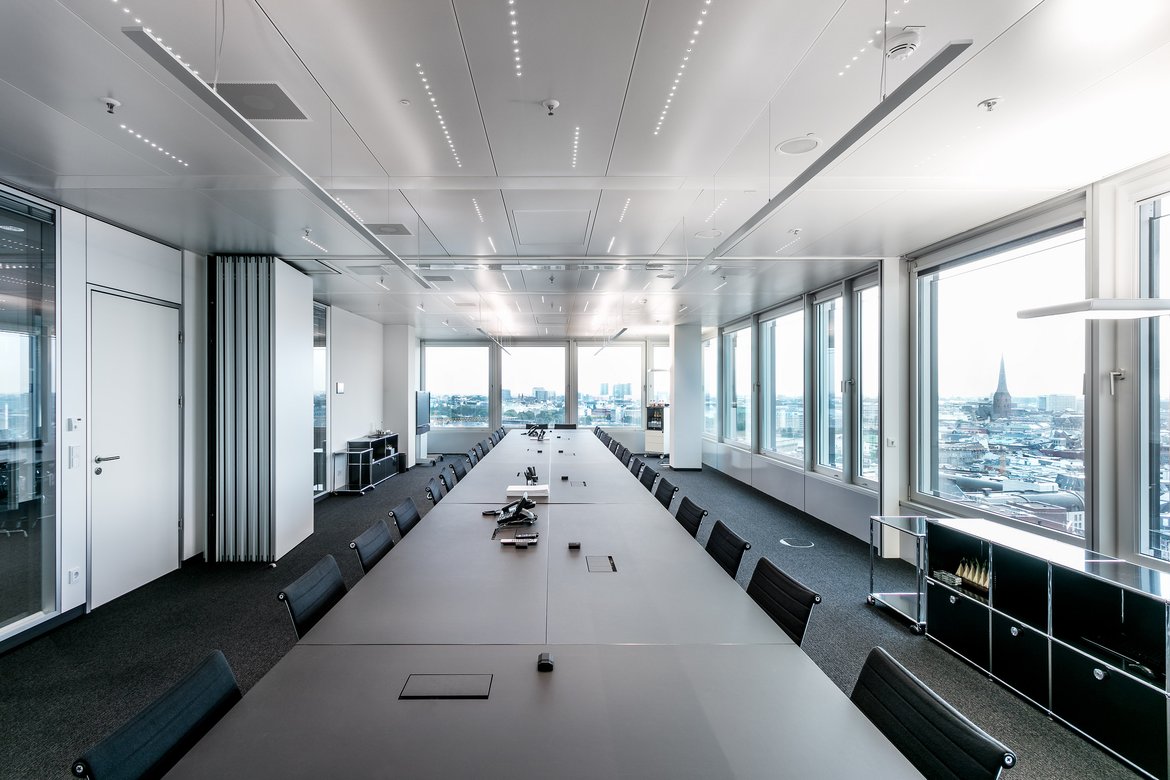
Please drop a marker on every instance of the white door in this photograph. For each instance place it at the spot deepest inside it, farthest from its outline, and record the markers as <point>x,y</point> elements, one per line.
<point>134,444</point>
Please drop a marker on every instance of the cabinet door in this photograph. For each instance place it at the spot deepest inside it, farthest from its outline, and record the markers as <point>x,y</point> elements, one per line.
<point>1019,657</point>
<point>1113,708</point>
<point>960,623</point>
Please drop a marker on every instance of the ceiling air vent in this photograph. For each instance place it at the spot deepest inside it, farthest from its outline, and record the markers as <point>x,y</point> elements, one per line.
<point>901,45</point>
<point>438,278</point>
<point>261,100</point>
<point>388,229</point>
<point>313,267</point>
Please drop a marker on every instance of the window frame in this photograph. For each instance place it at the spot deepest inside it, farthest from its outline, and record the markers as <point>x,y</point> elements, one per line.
<point>568,387</point>
<point>577,345</point>
<point>814,411</point>
<point>491,349</point>
<point>765,372</point>
<point>871,281</point>
<point>715,339</point>
<point>726,386</point>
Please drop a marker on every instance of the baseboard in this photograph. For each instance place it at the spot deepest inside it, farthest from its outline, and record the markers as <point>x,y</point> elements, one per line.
<point>13,642</point>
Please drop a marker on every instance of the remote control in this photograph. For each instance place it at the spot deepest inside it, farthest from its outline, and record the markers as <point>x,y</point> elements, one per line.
<point>528,535</point>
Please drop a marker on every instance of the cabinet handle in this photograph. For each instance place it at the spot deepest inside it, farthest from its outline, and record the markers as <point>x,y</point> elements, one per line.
<point>1100,675</point>
<point>1015,631</point>
<point>952,599</point>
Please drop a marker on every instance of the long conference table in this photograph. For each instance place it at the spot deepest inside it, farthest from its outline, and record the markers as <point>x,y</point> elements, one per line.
<point>664,667</point>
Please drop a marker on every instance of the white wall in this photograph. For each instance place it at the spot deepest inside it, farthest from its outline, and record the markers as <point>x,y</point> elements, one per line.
<point>72,479</point>
<point>194,404</point>
<point>400,381</point>
<point>355,358</point>
<point>686,397</point>
<point>292,407</point>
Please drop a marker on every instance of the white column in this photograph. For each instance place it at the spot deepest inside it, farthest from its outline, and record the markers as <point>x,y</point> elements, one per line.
<point>895,394</point>
<point>686,398</point>
<point>400,381</point>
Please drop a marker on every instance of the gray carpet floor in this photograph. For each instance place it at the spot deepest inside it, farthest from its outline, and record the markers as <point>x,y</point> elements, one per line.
<point>66,690</point>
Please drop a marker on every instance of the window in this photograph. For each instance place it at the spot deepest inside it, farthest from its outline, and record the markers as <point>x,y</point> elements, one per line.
<point>609,386</point>
<point>320,399</point>
<point>710,387</point>
<point>782,384</point>
<point>28,411</point>
<point>1001,409</point>
<point>532,385</point>
<point>867,314</point>
<point>1155,530</point>
<point>737,354</point>
<point>661,360</point>
<point>830,372</point>
<point>457,379</point>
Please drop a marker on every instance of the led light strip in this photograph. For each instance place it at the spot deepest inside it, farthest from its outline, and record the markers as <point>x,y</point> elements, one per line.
<point>478,213</point>
<point>682,65</point>
<point>305,237</point>
<point>438,113</point>
<point>622,216</point>
<point>514,29</point>
<point>576,143</point>
<point>876,34</point>
<point>154,146</point>
<point>715,210</point>
<point>352,213</point>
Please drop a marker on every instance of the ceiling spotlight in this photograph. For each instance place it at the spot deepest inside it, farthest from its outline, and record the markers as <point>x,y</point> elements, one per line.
<point>802,144</point>
<point>710,233</point>
<point>989,104</point>
<point>550,105</point>
<point>404,102</point>
<point>111,104</point>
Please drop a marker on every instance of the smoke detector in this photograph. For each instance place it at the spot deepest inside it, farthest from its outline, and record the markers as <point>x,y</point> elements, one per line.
<point>901,46</point>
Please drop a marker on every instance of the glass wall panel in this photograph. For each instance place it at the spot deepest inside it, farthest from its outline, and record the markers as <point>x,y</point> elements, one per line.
<point>1001,403</point>
<point>28,405</point>
<point>868,317</point>
<point>532,385</point>
<point>830,356</point>
<point>782,384</point>
<point>609,386</point>
<point>320,399</point>
<point>711,387</point>
<point>457,379</point>
<point>737,354</point>
<point>1155,526</point>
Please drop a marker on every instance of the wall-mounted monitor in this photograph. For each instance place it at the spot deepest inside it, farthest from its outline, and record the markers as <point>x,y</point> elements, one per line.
<point>422,411</point>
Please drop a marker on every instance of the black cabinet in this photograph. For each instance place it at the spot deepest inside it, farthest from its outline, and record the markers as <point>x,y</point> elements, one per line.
<point>1081,635</point>
<point>1121,713</point>
<point>959,622</point>
<point>370,460</point>
<point>1019,657</point>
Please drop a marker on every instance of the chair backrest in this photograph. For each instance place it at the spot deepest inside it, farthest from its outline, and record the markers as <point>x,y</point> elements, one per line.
<point>636,466</point>
<point>313,594</point>
<point>597,431</point>
<point>435,491</point>
<point>565,426</point>
<point>459,468</point>
<point>154,740</point>
<point>487,446</point>
<point>405,516</point>
<point>786,601</point>
<point>613,446</point>
<point>501,431</point>
<point>690,515</point>
<point>448,480</point>
<point>494,438</point>
<point>726,547</point>
<point>372,544</point>
<point>623,453</point>
<point>473,456</point>
<point>935,737</point>
<point>665,493</point>
<point>647,477</point>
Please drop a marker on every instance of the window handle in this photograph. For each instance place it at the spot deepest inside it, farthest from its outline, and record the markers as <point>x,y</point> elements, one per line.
<point>1115,376</point>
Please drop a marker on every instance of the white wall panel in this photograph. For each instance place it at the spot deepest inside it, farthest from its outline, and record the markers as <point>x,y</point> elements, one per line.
<point>737,463</point>
<point>194,404</point>
<point>841,506</point>
<point>71,398</point>
<point>686,397</point>
<point>292,405</point>
<point>778,480</point>
<point>124,261</point>
<point>355,358</point>
<point>401,380</point>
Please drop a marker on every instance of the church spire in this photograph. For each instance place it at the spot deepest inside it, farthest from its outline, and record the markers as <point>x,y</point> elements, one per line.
<point>1001,401</point>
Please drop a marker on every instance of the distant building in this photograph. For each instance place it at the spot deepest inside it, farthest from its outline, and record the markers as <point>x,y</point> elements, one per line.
<point>1001,401</point>
<point>540,394</point>
<point>505,394</point>
<point>622,390</point>
<point>604,389</point>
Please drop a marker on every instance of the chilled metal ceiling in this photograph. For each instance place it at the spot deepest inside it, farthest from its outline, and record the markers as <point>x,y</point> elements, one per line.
<point>660,148</point>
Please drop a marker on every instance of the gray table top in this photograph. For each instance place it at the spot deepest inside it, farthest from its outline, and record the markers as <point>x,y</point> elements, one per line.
<point>664,666</point>
<point>695,711</point>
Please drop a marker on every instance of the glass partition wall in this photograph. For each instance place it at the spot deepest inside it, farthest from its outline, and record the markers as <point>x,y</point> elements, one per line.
<point>320,399</point>
<point>28,403</point>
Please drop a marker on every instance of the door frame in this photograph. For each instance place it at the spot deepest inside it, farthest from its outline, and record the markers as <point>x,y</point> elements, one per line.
<point>90,289</point>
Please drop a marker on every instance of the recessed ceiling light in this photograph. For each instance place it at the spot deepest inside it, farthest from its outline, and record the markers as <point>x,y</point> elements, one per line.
<point>438,115</point>
<point>610,247</point>
<point>800,145</point>
<point>306,238</point>
<point>12,228</point>
<point>715,210</point>
<point>681,67</point>
<point>710,233</point>
<point>351,212</point>
<point>989,104</point>
<point>664,276</point>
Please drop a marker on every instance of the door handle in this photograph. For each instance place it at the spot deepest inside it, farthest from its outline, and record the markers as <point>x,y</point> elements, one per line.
<point>103,460</point>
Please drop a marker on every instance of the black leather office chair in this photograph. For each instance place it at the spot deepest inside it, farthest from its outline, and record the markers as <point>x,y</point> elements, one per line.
<point>565,426</point>
<point>647,477</point>
<point>435,490</point>
<point>501,431</point>
<point>405,516</point>
<point>786,601</point>
<point>372,544</point>
<point>665,493</point>
<point>153,741</point>
<point>597,431</point>
<point>473,456</point>
<point>613,446</point>
<point>690,515</point>
<point>494,438</point>
<point>448,480</point>
<point>726,547</point>
<point>487,446</point>
<point>936,738</point>
<point>313,594</point>
<point>636,466</point>
<point>623,454</point>
<point>459,468</point>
